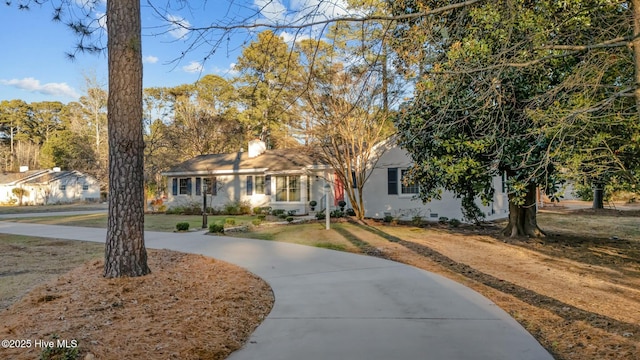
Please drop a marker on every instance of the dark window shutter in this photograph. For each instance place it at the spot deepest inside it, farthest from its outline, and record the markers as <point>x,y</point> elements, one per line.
<point>198,186</point>
<point>353,180</point>
<point>249,185</point>
<point>175,186</point>
<point>189,189</point>
<point>392,181</point>
<point>214,186</point>
<point>267,185</point>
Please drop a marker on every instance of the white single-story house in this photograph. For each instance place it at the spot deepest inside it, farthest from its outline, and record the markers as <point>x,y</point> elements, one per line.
<point>43,187</point>
<point>386,194</point>
<point>282,179</point>
<point>289,178</point>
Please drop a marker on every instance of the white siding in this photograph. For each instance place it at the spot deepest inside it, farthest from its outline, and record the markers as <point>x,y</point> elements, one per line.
<point>234,188</point>
<point>379,203</point>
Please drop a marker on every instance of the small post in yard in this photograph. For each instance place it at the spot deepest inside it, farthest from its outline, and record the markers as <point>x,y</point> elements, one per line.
<point>204,204</point>
<point>327,192</point>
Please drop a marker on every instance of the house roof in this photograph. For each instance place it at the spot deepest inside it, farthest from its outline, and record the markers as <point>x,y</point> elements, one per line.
<point>269,161</point>
<point>52,176</point>
<point>10,178</point>
<point>35,177</point>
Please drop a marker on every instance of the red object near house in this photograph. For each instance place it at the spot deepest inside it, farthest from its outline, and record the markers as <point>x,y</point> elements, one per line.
<point>339,190</point>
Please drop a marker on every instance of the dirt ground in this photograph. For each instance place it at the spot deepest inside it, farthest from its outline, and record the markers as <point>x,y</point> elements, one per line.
<point>190,307</point>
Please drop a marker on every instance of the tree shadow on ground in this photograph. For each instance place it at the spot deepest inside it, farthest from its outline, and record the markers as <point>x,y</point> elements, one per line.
<point>560,308</point>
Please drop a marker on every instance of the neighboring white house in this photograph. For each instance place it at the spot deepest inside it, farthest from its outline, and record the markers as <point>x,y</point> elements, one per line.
<point>43,187</point>
<point>289,178</point>
<point>386,194</point>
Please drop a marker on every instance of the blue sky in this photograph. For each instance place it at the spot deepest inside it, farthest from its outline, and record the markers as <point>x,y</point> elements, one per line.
<point>34,65</point>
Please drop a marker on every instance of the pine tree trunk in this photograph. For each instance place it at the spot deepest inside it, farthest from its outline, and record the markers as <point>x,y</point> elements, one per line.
<point>635,6</point>
<point>523,218</point>
<point>125,253</point>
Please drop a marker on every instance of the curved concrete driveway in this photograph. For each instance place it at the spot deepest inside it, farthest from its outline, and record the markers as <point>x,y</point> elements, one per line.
<point>335,305</point>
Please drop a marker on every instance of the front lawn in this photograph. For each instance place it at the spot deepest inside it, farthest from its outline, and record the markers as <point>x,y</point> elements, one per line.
<point>152,222</point>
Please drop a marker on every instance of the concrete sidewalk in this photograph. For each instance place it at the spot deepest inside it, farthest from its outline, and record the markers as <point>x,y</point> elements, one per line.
<point>336,305</point>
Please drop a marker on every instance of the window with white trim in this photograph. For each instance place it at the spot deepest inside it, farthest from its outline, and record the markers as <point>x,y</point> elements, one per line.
<point>259,185</point>
<point>211,186</point>
<point>288,188</point>
<point>407,188</point>
<point>185,186</point>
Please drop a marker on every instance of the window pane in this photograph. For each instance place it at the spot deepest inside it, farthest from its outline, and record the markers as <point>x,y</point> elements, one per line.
<point>259,186</point>
<point>408,188</point>
<point>185,186</point>
<point>267,185</point>
<point>392,181</point>
<point>281,188</point>
<point>249,185</point>
<point>294,188</point>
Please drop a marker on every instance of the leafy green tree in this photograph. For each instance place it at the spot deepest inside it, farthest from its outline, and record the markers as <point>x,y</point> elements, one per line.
<point>12,115</point>
<point>468,120</point>
<point>44,119</point>
<point>69,151</point>
<point>269,72</point>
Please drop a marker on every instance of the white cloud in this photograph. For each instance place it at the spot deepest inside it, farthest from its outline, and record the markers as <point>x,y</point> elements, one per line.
<point>150,59</point>
<point>300,12</point>
<point>102,20</point>
<point>193,67</point>
<point>273,10</point>
<point>289,38</point>
<point>320,9</point>
<point>231,70</point>
<point>178,28</point>
<point>33,85</point>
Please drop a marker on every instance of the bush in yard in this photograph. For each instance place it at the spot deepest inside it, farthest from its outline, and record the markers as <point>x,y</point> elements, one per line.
<point>244,207</point>
<point>454,223</point>
<point>282,216</point>
<point>289,219</point>
<point>292,212</point>
<point>278,212</point>
<point>182,226</point>
<point>351,212</point>
<point>261,217</point>
<point>230,222</point>
<point>417,220</point>
<point>387,218</point>
<point>257,210</point>
<point>320,216</point>
<point>174,210</point>
<point>216,229</point>
<point>231,208</point>
<point>256,222</point>
<point>336,213</point>
<point>443,220</point>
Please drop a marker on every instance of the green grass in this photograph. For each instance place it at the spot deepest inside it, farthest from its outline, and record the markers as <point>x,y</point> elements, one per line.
<point>310,234</point>
<point>152,222</point>
<point>51,208</point>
